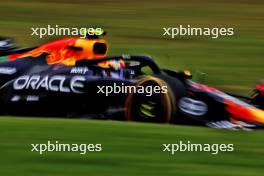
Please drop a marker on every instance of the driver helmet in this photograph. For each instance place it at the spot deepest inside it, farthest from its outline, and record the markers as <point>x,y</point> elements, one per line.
<point>115,68</point>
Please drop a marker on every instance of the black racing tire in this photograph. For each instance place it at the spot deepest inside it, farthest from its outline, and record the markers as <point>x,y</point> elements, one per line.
<point>157,108</point>
<point>178,90</point>
<point>177,87</point>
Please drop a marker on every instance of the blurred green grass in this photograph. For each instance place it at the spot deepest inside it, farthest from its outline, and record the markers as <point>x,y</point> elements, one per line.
<point>128,149</point>
<point>232,63</point>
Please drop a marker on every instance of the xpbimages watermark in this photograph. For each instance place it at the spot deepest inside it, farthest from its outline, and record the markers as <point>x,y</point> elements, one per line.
<point>181,30</point>
<point>56,30</point>
<point>192,147</point>
<point>125,89</point>
<point>62,147</point>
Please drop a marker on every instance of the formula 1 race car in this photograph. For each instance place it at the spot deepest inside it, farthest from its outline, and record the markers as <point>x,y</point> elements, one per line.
<point>73,77</point>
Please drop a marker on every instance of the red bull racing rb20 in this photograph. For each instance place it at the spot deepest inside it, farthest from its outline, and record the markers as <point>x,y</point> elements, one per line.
<point>74,77</point>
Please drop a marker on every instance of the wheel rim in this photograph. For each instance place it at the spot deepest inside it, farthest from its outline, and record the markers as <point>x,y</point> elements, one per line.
<point>157,108</point>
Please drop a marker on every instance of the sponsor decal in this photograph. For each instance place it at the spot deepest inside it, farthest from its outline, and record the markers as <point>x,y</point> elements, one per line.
<point>6,44</point>
<point>16,98</point>
<point>79,70</point>
<point>56,83</point>
<point>3,43</point>
<point>32,98</point>
<point>192,107</point>
<point>7,70</point>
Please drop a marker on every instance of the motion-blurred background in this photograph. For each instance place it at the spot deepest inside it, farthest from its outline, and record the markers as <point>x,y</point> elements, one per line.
<point>231,63</point>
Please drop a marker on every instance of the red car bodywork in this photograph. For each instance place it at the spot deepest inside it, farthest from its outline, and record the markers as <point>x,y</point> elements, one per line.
<point>68,50</point>
<point>237,109</point>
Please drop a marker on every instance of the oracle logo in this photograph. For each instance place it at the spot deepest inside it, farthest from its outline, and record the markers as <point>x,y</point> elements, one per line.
<point>56,83</point>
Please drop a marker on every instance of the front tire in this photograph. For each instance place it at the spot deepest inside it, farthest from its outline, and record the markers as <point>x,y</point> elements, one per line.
<point>155,108</point>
